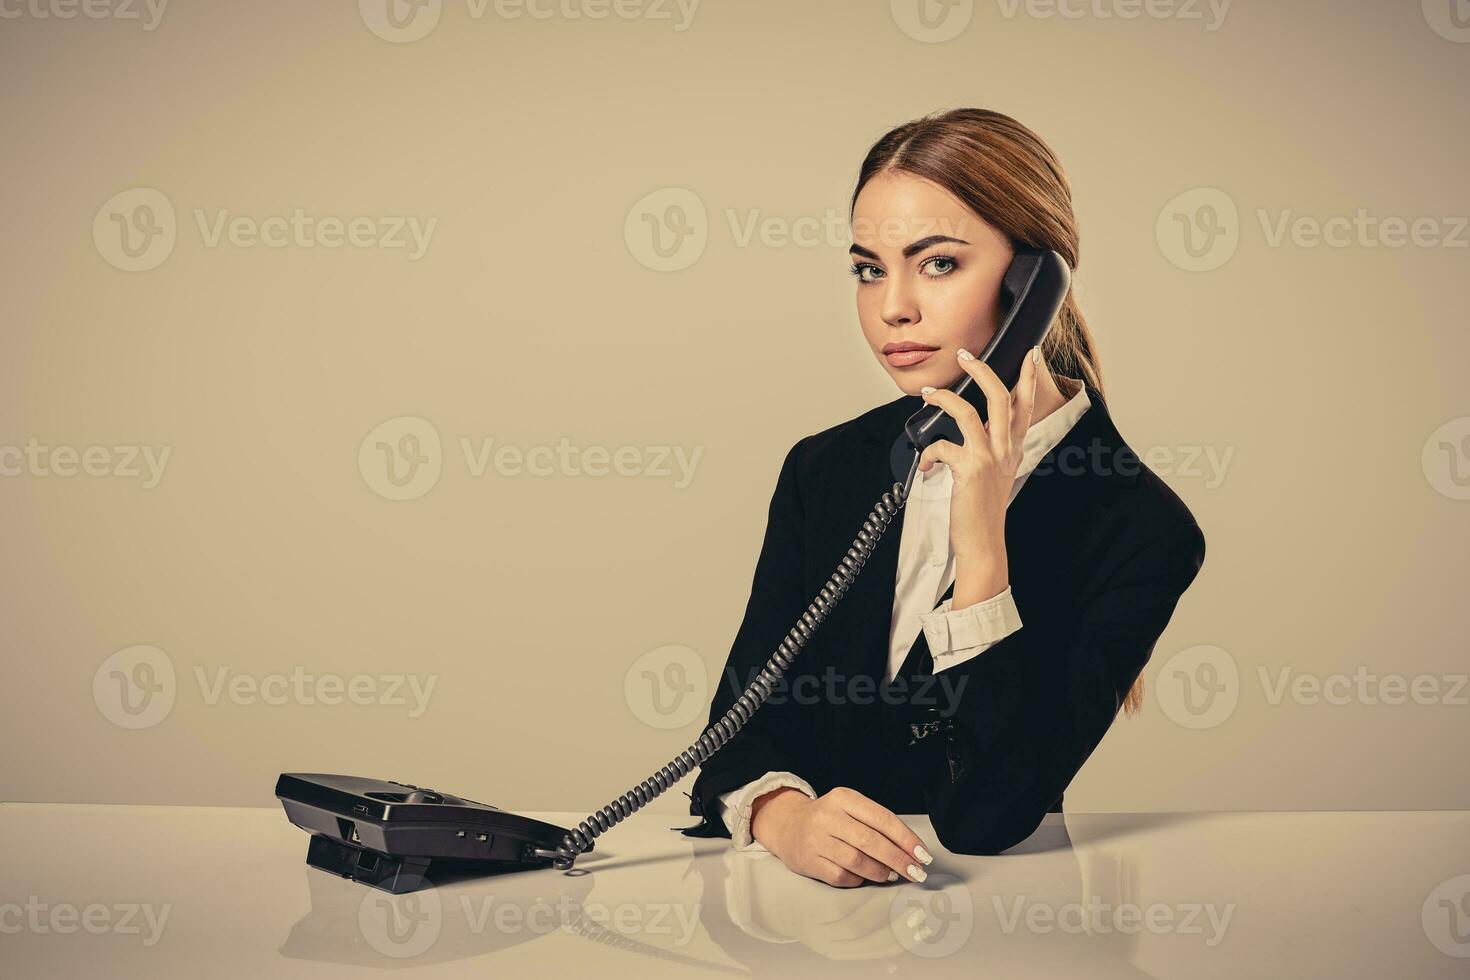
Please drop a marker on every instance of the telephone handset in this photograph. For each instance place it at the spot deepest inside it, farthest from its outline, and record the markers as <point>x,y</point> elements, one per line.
<point>1032,291</point>
<point>1033,288</point>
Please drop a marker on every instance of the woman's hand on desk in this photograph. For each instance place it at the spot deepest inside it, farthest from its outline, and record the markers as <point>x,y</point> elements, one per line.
<point>841,837</point>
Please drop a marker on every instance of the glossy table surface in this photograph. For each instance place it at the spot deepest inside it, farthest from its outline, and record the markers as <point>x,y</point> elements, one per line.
<point>126,891</point>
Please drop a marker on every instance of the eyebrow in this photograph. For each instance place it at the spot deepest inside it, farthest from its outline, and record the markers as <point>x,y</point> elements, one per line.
<point>912,248</point>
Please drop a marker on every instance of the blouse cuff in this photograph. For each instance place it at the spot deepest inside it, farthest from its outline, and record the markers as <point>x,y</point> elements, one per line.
<point>735,805</point>
<point>955,636</point>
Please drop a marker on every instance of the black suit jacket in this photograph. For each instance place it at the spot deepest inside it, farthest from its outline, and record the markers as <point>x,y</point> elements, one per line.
<point>1099,550</point>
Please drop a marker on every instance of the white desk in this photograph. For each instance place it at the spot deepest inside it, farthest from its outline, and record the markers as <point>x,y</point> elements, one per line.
<point>211,892</point>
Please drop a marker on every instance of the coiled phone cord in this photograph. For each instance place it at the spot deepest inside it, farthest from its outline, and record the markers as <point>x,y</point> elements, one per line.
<point>714,738</point>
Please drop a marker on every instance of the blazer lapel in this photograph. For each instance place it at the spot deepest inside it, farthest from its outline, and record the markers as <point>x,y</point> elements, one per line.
<point>871,595</point>
<point>883,461</point>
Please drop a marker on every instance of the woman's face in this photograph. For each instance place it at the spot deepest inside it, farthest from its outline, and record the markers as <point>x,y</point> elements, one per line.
<point>928,273</point>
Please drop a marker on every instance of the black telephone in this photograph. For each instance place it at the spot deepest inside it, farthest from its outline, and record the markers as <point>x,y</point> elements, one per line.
<point>375,832</point>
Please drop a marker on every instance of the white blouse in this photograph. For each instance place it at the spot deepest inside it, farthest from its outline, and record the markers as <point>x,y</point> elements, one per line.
<point>925,572</point>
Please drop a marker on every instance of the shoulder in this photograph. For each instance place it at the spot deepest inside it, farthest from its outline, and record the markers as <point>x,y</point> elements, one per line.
<point>872,434</point>
<point>1106,507</point>
<point>1152,519</point>
<point>1166,531</point>
<point>1148,502</point>
<point>865,428</point>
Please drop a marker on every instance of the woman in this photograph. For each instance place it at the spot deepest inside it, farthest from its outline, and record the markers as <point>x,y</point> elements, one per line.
<point>1059,557</point>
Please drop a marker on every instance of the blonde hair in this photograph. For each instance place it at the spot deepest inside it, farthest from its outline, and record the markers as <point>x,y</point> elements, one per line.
<point>1005,173</point>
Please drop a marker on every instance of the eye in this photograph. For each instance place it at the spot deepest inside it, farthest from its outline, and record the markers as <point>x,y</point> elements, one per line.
<point>934,262</point>
<point>865,271</point>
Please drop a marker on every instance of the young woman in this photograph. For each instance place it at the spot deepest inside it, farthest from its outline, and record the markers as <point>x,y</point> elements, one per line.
<point>992,637</point>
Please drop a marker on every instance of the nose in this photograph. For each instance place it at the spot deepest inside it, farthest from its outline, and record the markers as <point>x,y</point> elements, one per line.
<point>898,307</point>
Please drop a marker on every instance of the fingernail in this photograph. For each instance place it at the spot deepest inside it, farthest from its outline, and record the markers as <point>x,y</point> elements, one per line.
<point>927,389</point>
<point>922,854</point>
<point>1036,355</point>
<point>917,873</point>
<point>965,355</point>
<point>915,919</point>
<point>893,876</point>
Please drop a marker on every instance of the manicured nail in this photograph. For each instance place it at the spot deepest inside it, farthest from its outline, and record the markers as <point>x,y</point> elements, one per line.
<point>915,919</point>
<point>927,389</point>
<point>917,873</point>
<point>893,876</point>
<point>1036,355</point>
<point>922,854</point>
<point>965,355</point>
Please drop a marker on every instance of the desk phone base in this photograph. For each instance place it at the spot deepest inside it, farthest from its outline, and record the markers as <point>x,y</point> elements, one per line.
<point>396,836</point>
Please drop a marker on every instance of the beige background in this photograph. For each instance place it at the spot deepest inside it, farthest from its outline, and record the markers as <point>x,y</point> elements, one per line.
<point>534,316</point>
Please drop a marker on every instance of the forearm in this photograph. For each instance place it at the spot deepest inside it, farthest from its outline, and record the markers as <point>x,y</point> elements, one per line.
<point>980,574</point>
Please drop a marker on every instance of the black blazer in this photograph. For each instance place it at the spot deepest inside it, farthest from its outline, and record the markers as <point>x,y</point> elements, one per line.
<point>1099,550</point>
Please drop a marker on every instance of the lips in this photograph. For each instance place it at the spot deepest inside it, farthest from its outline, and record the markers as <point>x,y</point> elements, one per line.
<point>907,353</point>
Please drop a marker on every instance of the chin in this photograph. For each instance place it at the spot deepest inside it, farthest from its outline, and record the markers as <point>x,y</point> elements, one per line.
<point>913,383</point>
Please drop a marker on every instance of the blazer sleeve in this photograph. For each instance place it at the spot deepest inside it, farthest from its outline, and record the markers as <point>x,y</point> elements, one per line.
<point>777,599</point>
<point>1034,706</point>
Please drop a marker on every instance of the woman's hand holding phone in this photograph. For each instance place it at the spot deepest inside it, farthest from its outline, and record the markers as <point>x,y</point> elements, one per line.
<point>841,837</point>
<point>983,471</point>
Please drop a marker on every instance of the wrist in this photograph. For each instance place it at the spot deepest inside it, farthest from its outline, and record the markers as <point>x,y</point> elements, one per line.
<point>982,546</point>
<point>766,809</point>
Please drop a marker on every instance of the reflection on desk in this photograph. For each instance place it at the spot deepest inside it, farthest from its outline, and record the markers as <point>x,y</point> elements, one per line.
<point>175,891</point>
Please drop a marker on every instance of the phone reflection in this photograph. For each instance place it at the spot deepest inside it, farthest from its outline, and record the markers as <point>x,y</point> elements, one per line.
<point>352,924</point>
<point>348,923</point>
